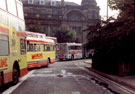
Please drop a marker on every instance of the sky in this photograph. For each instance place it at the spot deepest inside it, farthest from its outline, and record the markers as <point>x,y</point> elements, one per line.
<point>103,8</point>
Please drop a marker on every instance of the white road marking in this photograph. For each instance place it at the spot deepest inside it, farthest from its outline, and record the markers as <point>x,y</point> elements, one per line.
<point>44,71</point>
<point>76,92</point>
<point>21,80</point>
<point>128,91</point>
<point>63,71</point>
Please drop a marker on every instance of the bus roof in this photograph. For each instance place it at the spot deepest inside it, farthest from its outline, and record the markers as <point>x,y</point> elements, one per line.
<point>71,44</point>
<point>37,37</point>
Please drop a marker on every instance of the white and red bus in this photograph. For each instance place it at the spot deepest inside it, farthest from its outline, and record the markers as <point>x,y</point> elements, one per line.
<point>68,51</point>
<point>12,42</point>
<point>40,50</point>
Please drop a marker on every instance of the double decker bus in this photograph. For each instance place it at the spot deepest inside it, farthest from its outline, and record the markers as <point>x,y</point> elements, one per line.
<point>65,51</point>
<point>12,42</point>
<point>40,50</point>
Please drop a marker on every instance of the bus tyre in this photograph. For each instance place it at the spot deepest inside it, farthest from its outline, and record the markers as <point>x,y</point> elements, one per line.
<point>49,61</point>
<point>47,65</point>
<point>1,80</point>
<point>72,57</point>
<point>15,75</point>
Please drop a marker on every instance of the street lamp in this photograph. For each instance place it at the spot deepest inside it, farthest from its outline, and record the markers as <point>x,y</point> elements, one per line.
<point>107,10</point>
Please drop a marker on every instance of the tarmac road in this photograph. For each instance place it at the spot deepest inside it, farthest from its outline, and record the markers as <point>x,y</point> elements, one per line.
<point>62,78</point>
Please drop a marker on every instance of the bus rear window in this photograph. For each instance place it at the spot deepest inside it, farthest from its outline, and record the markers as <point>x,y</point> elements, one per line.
<point>4,45</point>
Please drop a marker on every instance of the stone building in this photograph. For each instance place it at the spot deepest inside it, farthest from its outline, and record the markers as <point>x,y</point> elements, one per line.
<point>49,15</point>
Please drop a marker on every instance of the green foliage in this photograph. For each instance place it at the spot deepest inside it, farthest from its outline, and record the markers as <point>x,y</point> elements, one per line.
<point>125,7</point>
<point>65,35</point>
<point>37,28</point>
<point>114,39</point>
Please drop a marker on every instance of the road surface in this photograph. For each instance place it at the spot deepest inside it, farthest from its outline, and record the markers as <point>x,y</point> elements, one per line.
<point>64,77</point>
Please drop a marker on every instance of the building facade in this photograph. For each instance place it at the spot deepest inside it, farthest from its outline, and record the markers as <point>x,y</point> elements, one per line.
<point>46,16</point>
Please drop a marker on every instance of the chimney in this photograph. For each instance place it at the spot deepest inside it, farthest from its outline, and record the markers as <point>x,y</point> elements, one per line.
<point>62,3</point>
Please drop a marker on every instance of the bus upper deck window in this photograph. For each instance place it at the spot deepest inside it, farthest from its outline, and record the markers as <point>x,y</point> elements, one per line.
<point>3,4</point>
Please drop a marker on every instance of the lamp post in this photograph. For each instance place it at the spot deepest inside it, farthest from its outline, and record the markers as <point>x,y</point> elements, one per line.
<point>107,11</point>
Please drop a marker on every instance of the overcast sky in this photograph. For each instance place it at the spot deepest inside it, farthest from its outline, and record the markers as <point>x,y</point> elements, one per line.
<point>103,7</point>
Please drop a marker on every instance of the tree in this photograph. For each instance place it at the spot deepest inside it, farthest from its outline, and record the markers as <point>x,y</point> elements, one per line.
<point>65,35</point>
<point>113,40</point>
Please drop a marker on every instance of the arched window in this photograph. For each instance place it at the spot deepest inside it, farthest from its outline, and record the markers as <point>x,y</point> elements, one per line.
<point>75,16</point>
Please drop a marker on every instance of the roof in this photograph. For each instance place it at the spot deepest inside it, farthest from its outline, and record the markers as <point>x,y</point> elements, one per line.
<point>58,3</point>
<point>37,37</point>
<point>70,44</point>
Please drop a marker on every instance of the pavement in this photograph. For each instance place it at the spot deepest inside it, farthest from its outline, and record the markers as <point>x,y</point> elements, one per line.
<point>128,81</point>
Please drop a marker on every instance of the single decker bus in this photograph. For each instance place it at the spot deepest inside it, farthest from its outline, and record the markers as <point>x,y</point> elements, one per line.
<point>40,50</point>
<point>66,51</point>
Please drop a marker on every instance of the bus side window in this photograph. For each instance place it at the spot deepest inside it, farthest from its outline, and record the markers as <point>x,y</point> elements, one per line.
<point>36,47</point>
<point>42,47</point>
<point>48,48</point>
<point>57,47</point>
<point>45,47</point>
<point>29,47</point>
<point>4,45</point>
<point>53,47</point>
<point>22,46</point>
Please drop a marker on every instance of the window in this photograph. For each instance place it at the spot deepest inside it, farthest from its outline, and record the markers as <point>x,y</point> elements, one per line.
<point>52,47</point>
<point>53,3</point>
<point>4,45</point>
<point>75,47</point>
<point>3,4</point>
<point>29,47</point>
<point>12,7</point>
<point>41,2</point>
<point>20,11</point>
<point>23,46</point>
<point>30,1</point>
<point>36,47</point>
<point>42,47</point>
<point>47,47</point>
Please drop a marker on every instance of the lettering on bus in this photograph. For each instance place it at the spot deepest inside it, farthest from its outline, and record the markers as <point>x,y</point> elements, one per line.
<point>3,62</point>
<point>36,56</point>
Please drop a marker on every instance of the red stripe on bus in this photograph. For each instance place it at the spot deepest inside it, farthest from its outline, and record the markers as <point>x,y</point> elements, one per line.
<point>8,77</point>
<point>39,41</point>
<point>21,34</point>
<point>38,64</point>
<point>52,61</point>
<point>42,64</point>
<point>4,30</point>
<point>23,72</point>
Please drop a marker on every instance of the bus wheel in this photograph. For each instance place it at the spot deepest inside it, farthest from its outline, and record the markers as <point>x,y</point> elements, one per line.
<point>61,59</point>
<point>1,80</point>
<point>49,62</point>
<point>15,75</point>
<point>72,57</point>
